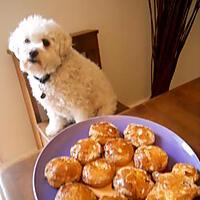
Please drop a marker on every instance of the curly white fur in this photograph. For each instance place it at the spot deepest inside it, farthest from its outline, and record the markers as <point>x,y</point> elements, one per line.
<point>77,88</point>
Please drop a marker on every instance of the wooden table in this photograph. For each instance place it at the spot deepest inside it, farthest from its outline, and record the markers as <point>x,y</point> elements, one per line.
<point>179,110</point>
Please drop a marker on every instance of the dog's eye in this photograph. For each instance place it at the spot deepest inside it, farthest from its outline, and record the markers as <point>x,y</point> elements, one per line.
<point>45,42</point>
<point>27,40</point>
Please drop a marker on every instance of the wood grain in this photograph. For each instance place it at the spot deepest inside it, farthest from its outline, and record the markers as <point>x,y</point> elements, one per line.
<point>178,110</point>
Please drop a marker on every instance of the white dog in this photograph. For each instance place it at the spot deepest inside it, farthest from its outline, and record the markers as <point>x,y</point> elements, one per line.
<point>69,86</point>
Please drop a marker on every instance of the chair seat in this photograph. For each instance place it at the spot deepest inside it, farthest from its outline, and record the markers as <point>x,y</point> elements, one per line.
<point>16,178</point>
<point>42,126</point>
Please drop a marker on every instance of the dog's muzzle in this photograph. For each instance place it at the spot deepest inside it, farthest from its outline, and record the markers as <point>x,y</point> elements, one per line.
<point>33,56</point>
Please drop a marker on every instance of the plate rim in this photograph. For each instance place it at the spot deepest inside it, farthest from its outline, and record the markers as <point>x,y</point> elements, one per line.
<point>175,136</point>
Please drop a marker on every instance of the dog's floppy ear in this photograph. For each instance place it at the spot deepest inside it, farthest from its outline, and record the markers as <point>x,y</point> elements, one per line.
<point>64,42</point>
<point>13,44</point>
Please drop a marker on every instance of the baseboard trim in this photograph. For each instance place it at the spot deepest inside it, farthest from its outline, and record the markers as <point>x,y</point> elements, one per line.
<point>138,102</point>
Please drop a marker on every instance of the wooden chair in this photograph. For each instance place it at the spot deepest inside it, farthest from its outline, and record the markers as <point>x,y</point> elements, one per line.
<point>86,42</point>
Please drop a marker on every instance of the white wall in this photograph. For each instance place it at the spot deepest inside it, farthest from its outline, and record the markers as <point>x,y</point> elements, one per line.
<point>125,52</point>
<point>188,66</point>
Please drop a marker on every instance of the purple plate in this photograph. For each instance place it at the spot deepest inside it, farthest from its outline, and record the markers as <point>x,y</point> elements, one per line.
<point>177,149</point>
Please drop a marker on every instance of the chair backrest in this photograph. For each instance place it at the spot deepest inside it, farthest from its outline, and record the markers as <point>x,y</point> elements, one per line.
<point>86,42</point>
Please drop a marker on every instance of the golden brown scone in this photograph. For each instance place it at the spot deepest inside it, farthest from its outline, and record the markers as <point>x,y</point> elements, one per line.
<point>173,186</point>
<point>86,150</point>
<point>139,135</point>
<point>61,170</point>
<point>150,158</point>
<point>118,151</point>
<point>187,170</point>
<point>113,198</point>
<point>75,191</point>
<point>132,182</point>
<point>98,173</point>
<point>103,131</point>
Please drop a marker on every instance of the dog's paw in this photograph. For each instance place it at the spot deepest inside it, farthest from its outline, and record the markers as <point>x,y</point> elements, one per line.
<point>51,131</point>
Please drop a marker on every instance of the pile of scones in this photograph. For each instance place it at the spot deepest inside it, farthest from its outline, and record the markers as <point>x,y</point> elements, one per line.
<point>127,165</point>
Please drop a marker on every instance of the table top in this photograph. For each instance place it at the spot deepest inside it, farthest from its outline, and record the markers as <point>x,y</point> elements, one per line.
<point>178,110</point>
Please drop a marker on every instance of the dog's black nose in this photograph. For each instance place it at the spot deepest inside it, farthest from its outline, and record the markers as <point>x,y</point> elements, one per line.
<point>33,53</point>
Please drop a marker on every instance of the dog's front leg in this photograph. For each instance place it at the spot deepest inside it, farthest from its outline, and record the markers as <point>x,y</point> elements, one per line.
<point>81,115</point>
<point>56,123</point>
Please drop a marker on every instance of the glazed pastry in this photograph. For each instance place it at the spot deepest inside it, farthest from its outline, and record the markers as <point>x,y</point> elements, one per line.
<point>118,151</point>
<point>61,170</point>
<point>187,170</point>
<point>139,135</point>
<point>150,158</point>
<point>75,191</point>
<point>98,173</point>
<point>173,186</point>
<point>86,150</point>
<point>113,198</point>
<point>103,131</point>
<point>132,182</point>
